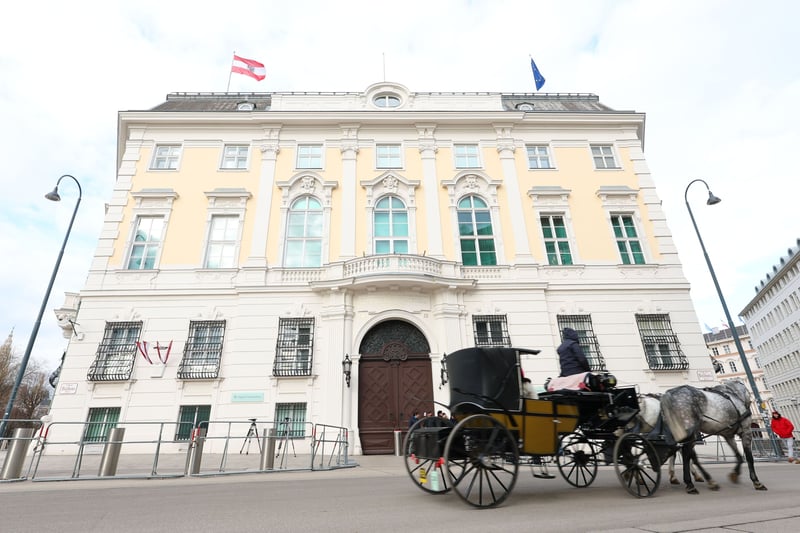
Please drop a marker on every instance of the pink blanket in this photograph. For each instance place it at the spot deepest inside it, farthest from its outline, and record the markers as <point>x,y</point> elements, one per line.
<point>574,382</point>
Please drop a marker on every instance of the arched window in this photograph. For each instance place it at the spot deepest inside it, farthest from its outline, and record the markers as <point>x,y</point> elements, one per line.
<point>475,232</point>
<point>391,226</point>
<point>304,234</point>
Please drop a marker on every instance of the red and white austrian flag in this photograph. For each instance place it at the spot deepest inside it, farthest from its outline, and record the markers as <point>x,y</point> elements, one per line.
<point>249,67</point>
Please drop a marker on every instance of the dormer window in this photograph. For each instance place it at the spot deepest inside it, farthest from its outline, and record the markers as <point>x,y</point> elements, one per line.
<point>525,107</point>
<point>245,106</point>
<point>386,101</point>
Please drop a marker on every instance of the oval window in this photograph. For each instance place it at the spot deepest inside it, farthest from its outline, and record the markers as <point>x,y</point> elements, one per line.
<point>386,100</point>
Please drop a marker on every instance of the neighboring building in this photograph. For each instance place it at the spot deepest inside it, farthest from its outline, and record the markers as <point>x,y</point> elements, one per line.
<point>773,318</point>
<point>269,237</point>
<point>722,349</point>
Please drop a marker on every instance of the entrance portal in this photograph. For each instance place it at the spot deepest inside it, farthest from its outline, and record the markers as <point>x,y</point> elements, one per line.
<point>394,380</point>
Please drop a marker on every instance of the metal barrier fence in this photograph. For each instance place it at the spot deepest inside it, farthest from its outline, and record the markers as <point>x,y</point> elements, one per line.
<point>67,450</point>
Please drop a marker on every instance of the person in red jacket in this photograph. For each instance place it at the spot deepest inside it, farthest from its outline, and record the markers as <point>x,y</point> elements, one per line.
<point>784,428</point>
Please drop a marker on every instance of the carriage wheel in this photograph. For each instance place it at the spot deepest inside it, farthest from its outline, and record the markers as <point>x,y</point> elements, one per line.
<point>427,473</point>
<point>577,460</point>
<point>482,460</point>
<point>637,465</point>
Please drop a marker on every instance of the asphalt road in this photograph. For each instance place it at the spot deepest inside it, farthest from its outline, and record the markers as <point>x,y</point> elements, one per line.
<point>379,496</point>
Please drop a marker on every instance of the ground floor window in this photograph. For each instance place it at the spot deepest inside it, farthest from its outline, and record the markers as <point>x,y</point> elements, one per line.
<point>291,418</point>
<point>190,417</point>
<point>99,422</point>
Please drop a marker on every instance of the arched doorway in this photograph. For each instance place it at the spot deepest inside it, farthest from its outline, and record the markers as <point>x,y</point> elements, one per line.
<point>394,380</point>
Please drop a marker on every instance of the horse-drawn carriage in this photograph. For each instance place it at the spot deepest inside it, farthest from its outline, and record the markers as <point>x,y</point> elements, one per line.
<point>496,430</point>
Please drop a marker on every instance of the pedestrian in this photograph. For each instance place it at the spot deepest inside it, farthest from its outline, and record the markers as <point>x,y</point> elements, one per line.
<point>571,358</point>
<point>784,428</point>
<point>414,418</point>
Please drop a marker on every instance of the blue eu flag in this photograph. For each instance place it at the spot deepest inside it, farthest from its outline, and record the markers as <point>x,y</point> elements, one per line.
<point>537,76</point>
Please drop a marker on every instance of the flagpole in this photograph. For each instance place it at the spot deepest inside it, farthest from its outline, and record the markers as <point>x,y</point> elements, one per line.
<point>230,71</point>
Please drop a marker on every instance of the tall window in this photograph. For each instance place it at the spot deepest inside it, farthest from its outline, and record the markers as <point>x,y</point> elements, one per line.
<point>727,348</point>
<point>304,234</point>
<point>235,156</point>
<point>116,352</point>
<point>603,156</point>
<point>391,226</point>
<point>630,249</point>
<point>538,156</point>
<point>388,156</point>
<point>290,420</point>
<point>732,365</point>
<point>309,156</point>
<point>189,418</point>
<point>222,240</point>
<point>491,330</point>
<point>146,243</point>
<point>99,422</point>
<point>166,157</point>
<point>556,241</point>
<point>715,350</point>
<point>203,350</point>
<point>467,156</point>
<point>661,345</point>
<point>475,232</point>
<point>582,324</point>
<point>294,347</point>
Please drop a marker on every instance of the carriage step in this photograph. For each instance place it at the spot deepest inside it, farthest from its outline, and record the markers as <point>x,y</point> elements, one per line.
<point>544,476</point>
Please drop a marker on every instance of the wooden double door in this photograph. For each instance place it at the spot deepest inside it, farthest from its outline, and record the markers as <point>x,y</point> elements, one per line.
<point>394,380</point>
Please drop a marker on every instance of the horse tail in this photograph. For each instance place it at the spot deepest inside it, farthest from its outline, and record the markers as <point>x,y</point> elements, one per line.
<point>671,417</point>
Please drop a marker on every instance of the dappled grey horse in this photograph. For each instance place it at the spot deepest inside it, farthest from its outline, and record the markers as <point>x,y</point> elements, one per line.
<point>723,410</point>
<point>650,421</point>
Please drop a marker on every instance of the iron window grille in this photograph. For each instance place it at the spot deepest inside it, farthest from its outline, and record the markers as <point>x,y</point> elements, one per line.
<point>99,422</point>
<point>290,420</point>
<point>191,417</point>
<point>661,345</point>
<point>116,353</point>
<point>582,324</point>
<point>294,347</point>
<point>491,330</point>
<point>203,350</point>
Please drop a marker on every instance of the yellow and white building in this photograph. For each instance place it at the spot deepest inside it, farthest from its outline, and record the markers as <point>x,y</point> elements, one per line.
<point>269,237</point>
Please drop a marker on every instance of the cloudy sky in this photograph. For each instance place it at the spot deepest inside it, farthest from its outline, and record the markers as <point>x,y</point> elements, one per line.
<point>718,80</point>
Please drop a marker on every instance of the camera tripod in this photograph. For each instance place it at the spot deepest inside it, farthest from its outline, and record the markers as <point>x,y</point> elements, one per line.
<point>252,433</point>
<point>285,439</point>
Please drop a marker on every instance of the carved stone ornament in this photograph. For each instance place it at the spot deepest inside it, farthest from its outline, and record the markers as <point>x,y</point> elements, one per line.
<point>471,183</point>
<point>390,183</point>
<point>309,184</point>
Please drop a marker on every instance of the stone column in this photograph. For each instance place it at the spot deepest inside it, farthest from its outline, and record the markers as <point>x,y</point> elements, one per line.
<point>349,148</point>
<point>427,151</point>
<point>257,257</point>
<point>506,148</point>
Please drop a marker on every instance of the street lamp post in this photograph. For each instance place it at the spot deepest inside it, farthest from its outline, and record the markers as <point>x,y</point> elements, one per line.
<point>54,196</point>
<point>712,200</point>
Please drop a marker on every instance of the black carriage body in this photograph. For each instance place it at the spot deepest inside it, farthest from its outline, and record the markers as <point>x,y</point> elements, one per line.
<point>489,381</point>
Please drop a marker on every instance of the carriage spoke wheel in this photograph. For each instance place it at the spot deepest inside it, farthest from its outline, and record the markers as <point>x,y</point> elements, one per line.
<point>482,460</point>
<point>577,460</point>
<point>428,473</point>
<point>637,465</point>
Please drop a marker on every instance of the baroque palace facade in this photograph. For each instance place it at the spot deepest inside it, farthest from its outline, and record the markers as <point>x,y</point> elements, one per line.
<point>264,238</point>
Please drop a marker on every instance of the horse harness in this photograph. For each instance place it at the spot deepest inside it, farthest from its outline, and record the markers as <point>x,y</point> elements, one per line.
<point>742,416</point>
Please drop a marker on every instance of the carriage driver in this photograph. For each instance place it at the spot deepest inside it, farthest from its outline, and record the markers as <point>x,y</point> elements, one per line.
<point>571,358</point>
